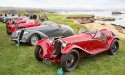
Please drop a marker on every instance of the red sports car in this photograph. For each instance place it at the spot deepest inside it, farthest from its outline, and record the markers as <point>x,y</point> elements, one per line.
<point>29,23</point>
<point>15,20</point>
<point>67,51</point>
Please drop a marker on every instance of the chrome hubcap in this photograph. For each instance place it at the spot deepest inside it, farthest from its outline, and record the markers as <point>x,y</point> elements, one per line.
<point>114,48</point>
<point>70,60</point>
<point>34,39</point>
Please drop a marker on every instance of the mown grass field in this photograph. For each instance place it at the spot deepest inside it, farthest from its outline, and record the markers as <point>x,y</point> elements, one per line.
<point>20,60</point>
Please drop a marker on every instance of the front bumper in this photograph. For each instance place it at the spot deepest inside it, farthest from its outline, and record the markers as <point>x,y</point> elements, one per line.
<point>19,37</point>
<point>24,41</point>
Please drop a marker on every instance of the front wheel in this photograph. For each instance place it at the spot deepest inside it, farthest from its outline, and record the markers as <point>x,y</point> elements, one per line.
<point>114,47</point>
<point>34,39</point>
<point>38,52</point>
<point>9,33</point>
<point>70,60</point>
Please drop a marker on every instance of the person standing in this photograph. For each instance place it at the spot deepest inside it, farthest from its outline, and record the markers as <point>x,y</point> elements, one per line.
<point>31,17</point>
<point>34,16</point>
<point>43,17</point>
<point>5,14</point>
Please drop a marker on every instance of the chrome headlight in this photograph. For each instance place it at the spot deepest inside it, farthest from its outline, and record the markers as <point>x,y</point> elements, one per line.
<point>50,40</point>
<point>25,33</point>
<point>17,33</point>
<point>64,44</point>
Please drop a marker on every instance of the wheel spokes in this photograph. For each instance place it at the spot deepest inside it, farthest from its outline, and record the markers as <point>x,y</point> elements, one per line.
<point>114,48</point>
<point>70,60</point>
<point>34,39</point>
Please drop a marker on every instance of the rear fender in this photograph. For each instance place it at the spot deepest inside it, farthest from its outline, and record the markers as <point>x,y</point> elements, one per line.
<point>45,45</point>
<point>68,48</point>
<point>109,41</point>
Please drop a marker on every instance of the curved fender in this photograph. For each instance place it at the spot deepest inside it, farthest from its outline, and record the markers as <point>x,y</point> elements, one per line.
<point>47,49</point>
<point>110,41</point>
<point>68,48</point>
<point>39,43</point>
<point>42,35</point>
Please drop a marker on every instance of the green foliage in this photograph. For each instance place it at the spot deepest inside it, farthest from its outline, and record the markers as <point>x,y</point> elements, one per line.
<point>20,60</point>
<point>62,20</point>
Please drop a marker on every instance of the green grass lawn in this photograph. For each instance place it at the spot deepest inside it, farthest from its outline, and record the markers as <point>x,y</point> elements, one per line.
<point>20,60</point>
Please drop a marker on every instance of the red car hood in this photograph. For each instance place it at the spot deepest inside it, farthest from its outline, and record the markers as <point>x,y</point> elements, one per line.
<point>77,38</point>
<point>25,24</point>
<point>22,21</point>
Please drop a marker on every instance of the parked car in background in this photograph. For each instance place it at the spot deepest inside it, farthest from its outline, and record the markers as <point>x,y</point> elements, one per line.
<point>15,20</point>
<point>67,51</point>
<point>2,18</point>
<point>15,26</point>
<point>5,19</point>
<point>46,30</point>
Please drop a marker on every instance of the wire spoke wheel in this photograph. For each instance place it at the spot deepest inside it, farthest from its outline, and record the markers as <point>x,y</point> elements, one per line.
<point>38,53</point>
<point>114,47</point>
<point>70,60</point>
<point>34,39</point>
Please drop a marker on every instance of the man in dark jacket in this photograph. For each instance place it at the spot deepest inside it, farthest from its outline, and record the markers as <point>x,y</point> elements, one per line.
<point>5,14</point>
<point>34,16</point>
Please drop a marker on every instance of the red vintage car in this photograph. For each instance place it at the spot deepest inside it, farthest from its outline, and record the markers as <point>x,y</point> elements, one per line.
<point>29,23</point>
<point>15,20</point>
<point>67,51</point>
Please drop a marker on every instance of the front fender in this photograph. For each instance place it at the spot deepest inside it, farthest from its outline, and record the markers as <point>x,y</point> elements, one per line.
<point>45,45</point>
<point>68,48</point>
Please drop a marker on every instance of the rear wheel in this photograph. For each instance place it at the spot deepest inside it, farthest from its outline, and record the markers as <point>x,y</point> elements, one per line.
<point>70,60</point>
<point>114,47</point>
<point>6,25</point>
<point>34,39</point>
<point>7,30</point>
<point>38,52</point>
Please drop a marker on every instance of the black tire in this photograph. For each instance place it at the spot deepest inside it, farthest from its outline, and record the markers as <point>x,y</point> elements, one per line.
<point>37,52</point>
<point>6,25</point>
<point>9,33</point>
<point>114,48</point>
<point>37,37</point>
<point>70,60</point>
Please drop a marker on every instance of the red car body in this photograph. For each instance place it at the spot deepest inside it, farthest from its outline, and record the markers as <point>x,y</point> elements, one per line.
<point>26,24</point>
<point>88,43</point>
<point>17,20</point>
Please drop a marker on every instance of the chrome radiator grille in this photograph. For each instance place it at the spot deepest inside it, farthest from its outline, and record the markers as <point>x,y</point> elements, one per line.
<point>57,47</point>
<point>21,34</point>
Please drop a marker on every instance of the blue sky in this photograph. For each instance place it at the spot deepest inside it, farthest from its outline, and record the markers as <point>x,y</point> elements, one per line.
<point>64,3</point>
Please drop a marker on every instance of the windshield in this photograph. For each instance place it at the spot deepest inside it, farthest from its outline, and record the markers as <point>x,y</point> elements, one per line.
<point>31,21</point>
<point>48,23</point>
<point>52,24</point>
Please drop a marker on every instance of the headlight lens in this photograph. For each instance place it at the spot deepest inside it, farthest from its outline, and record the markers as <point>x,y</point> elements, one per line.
<point>17,33</point>
<point>64,44</point>
<point>25,33</point>
<point>50,40</point>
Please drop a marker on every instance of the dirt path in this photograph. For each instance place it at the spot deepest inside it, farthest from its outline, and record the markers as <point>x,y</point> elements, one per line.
<point>96,26</point>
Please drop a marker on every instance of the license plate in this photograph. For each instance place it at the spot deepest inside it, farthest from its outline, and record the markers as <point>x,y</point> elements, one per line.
<point>47,61</point>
